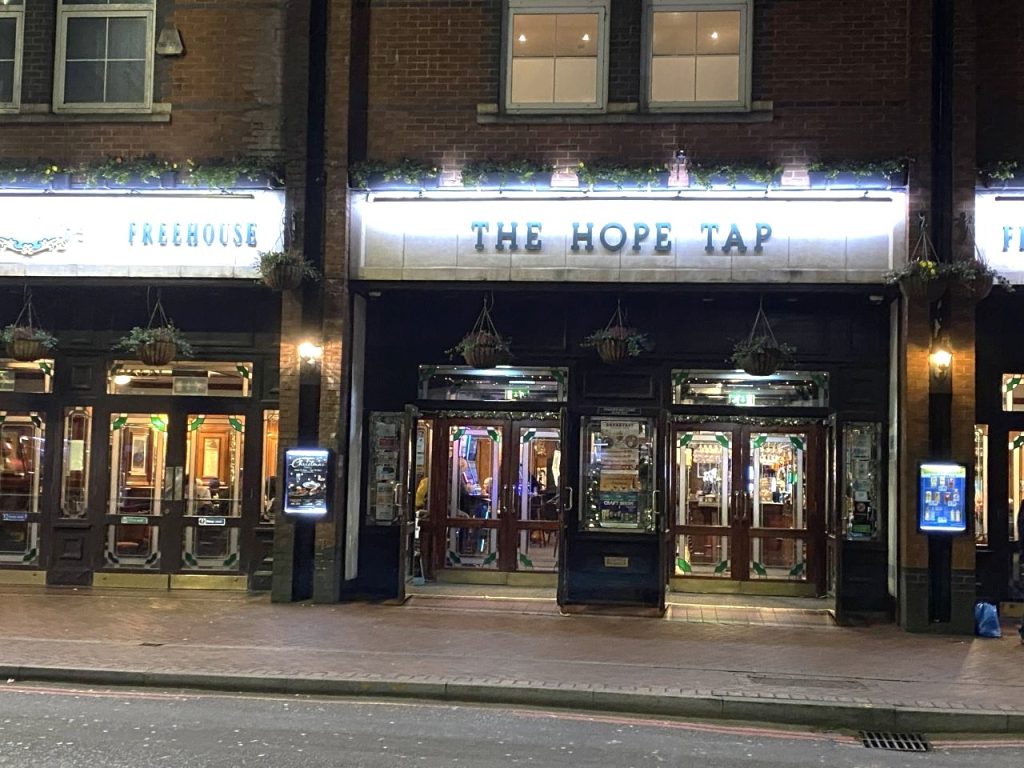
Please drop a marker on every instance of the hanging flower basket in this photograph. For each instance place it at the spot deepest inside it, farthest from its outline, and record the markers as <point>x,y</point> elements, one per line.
<point>156,344</point>
<point>483,346</point>
<point>761,354</point>
<point>25,350</point>
<point>762,363</point>
<point>974,290</point>
<point>285,270</point>
<point>616,341</point>
<point>23,339</point>
<point>916,287</point>
<point>484,350</point>
<point>157,352</point>
<point>923,277</point>
<point>612,351</point>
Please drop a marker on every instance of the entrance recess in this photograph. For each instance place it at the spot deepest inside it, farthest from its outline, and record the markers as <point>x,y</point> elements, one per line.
<point>499,508</point>
<point>748,507</point>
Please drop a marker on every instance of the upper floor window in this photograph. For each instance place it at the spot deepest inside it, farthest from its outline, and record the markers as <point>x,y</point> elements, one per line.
<point>12,26</point>
<point>104,59</point>
<point>698,54</point>
<point>557,55</point>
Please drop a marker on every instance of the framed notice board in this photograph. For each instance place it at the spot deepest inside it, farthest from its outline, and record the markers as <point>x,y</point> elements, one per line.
<point>942,497</point>
<point>307,473</point>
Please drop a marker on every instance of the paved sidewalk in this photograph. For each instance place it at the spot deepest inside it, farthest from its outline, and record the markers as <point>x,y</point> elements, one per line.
<point>520,652</point>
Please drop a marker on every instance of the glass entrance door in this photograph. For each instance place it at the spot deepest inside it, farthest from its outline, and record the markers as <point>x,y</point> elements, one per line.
<point>502,509</point>
<point>22,439</point>
<point>175,491</point>
<point>749,503</point>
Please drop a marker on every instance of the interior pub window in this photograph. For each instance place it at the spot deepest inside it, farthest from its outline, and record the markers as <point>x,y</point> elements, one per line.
<point>11,30</point>
<point>698,54</point>
<point>104,56</point>
<point>557,55</point>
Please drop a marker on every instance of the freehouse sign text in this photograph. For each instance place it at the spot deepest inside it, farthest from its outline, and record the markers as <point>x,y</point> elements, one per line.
<point>615,236</point>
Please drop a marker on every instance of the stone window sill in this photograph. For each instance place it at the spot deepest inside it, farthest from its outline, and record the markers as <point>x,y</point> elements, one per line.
<point>41,113</point>
<point>627,112</point>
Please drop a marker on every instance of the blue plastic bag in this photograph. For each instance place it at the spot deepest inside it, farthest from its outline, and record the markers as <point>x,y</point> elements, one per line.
<point>986,621</point>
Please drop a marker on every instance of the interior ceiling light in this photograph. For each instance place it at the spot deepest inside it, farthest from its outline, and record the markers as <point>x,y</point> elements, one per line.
<point>714,35</point>
<point>586,37</point>
<point>522,38</point>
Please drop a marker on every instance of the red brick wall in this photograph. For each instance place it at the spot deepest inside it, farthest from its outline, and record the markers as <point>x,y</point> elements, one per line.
<point>1000,84</point>
<point>226,92</point>
<point>837,74</point>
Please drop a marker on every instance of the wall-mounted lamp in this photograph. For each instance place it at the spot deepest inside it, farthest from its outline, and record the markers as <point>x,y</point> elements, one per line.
<point>310,353</point>
<point>941,356</point>
<point>169,42</point>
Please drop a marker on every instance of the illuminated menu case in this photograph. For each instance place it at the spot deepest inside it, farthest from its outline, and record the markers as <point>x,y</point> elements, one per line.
<point>306,481</point>
<point>941,501</point>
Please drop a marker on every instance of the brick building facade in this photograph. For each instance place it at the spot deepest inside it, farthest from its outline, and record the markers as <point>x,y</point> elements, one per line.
<point>435,81</point>
<point>139,174</point>
<point>798,87</point>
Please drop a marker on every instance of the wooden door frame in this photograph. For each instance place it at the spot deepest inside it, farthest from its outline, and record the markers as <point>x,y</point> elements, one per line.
<point>439,494</point>
<point>515,525</point>
<point>740,529</point>
<point>730,528</point>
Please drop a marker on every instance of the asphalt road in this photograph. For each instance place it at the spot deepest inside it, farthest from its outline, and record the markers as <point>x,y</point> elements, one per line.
<point>64,727</point>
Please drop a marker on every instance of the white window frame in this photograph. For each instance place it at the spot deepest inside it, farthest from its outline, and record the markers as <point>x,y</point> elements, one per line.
<point>746,10</point>
<point>145,11</point>
<point>515,7</point>
<point>17,12</point>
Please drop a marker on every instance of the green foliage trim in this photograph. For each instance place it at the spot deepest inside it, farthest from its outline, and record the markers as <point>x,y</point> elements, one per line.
<point>223,173</point>
<point>620,174</point>
<point>406,170</point>
<point>218,173</point>
<point>515,170</point>
<point>859,168</point>
<point>121,170</point>
<point>25,170</point>
<point>1000,170</point>
<point>703,173</point>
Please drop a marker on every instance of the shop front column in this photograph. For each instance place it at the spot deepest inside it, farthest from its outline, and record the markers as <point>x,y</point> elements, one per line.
<point>915,334</point>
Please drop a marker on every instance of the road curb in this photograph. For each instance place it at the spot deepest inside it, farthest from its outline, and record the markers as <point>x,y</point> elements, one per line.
<point>850,715</point>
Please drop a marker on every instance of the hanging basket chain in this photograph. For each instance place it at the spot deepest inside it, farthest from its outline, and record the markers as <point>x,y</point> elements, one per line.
<point>618,318</point>
<point>761,321</point>
<point>923,249</point>
<point>27,311</point>
<point>484,323</point>
<point>158,312</point>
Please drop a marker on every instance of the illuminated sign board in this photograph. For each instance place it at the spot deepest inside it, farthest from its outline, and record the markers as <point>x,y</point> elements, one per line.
<point>942,498</point>
<point>852,239</point>
<point>166,235</point>
<point>306,482</point>
<point>999,233</point>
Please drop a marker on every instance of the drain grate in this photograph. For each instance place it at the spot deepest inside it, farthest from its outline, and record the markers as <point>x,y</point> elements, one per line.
<point>898,742</point>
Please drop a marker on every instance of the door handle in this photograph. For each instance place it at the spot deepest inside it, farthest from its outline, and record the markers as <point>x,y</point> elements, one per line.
<point>571,499</point>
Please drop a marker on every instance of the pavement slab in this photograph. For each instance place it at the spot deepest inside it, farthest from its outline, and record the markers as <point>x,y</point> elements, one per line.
<point>813,674</point>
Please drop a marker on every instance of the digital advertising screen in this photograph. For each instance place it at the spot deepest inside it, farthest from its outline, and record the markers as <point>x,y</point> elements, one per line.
<point>942,497</point>
<point>306,482</point>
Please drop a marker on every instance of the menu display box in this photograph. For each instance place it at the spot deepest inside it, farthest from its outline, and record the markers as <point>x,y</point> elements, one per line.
<point>941,499</point>
<point>307,473</point>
